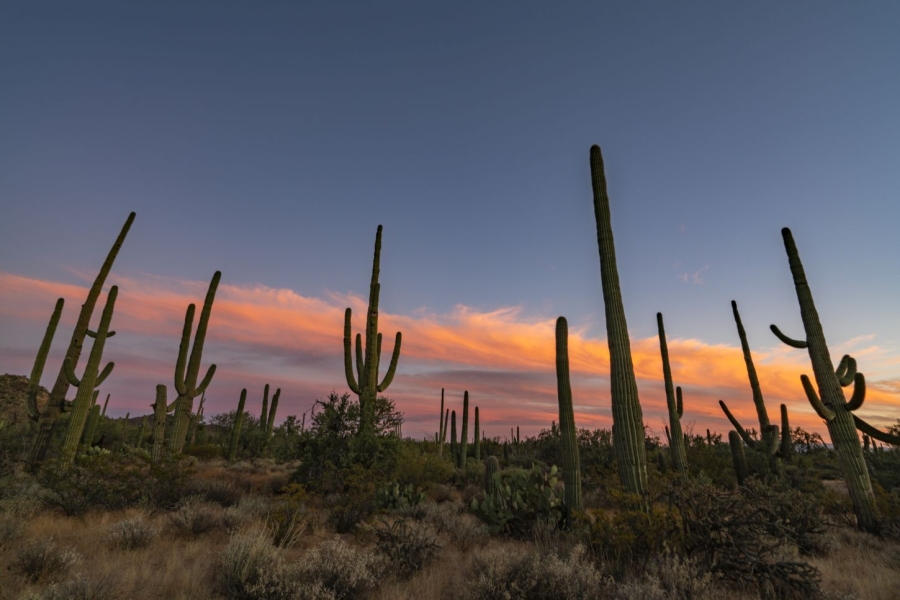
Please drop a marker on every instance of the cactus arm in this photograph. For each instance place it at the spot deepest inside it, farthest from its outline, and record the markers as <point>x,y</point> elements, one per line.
<point>377,355</point>
<point>846,371</point>
<point>200,334</point>
<point>859,392</point>
<point>801,344</point>
<point>270,425</point>
<point>181,363</point>
<point>93,334</point>
<point>360,360</point>
<point>881,436</point>
<point>679,402</point>
<point>104,373</point>
<point>446,420</point>
<point>392,368</point>
<point>264,415</point>
<point>823,411</point>
<point>105,404</point>
<point>348,357</point>
<point>787,445</point>
<point>70,373</point>
<point>738,457</point>
<point>206,380</point>
<point>34,382</point>
<point>737,426</point>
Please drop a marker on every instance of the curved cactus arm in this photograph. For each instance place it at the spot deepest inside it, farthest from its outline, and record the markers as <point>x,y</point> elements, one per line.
<point>395,357</point>
<point>206,380</point>
<point>846,371</point>
<point>737,426</point>
<point>859,392</point>
<point>181,363</point>
<point>34,382</point>
<point>70,373</point>
<point>360,360</point>
<point>668,435</point>
<point>348,357</point>
<point>679,402</point>
<point>821,410</point>
<point>881,436</point>
<point>105,373</point>
<point>801,344</point>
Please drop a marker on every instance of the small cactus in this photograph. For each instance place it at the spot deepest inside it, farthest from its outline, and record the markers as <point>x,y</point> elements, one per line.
<point>236,430</point>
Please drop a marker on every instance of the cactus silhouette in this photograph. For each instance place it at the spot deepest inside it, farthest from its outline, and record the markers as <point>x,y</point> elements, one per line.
<point>491,468</point>
<point>90,427</point>
<point>477,436</point>
<point>768,445</point>
<point>738,457</point>
<point>571,463</point>
<point>186,372</point>
<point>37,371</point>
<point>442,427</point>
<point>160,408</point>
<point>464,433</point>
<point>454,450</point>
<point>91,378</point>
<point>674,404</point>
<point>367,386</point>
<point>57,403</point>
<point>238,424</point>
<point>628,422</point>
<point>830,403</point>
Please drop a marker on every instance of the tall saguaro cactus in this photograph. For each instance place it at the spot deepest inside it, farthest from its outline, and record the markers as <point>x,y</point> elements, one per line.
<point>47,419</point>
<point>34,382</point>
<point>454,456</point>
<point>160,408</point>
<point>264,415</point>
<point>367,386</point>
<point>675,405</point>
<point>628,421</point>
<point>768,445</point>
<point>442,427</point>
<point>830,403</point>
<point>464,434</point>
<point>571,463</point>
<point>186,372</point>
<point>477,436</point>
<point>91,378</point>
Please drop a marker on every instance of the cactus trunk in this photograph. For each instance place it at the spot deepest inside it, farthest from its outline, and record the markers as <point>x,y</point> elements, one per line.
<point>628,422</point>
<point>477,437</point>
<point>675,406</point>
<point>464,434</point>
<point>454,455</point>
<point>160,408</point>
<point>236,430</point>
<point>90,428</point>
<point>571,463</point>
<point>738,457</point>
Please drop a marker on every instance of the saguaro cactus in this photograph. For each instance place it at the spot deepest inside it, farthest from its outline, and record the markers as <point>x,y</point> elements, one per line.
<point>454,451</point>
<point>571,463</point>
<point>464,434</point>
<point>768,445</point>
<point>34,382</point>
<point>186,372</point>
<point>442,427</point>
<point>142,433</point>
<point>264,415</point>
<point>238,424</point>
<point>270,421</point>
<point>738,457</point>
<point>55,406</point>
<point>105,405</point>
<point>91,378</point>
<point>830,403</point>
<point>367,386</point>
<point>477,437</point>
<point>195,419</point>
<point>628,422</point>
<point>90,428</point>
<point>491,468</point>
<point>160,408</point>
<point>675,405</point>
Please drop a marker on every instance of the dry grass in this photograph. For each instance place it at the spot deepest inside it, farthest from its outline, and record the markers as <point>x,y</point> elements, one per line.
<point>861,566</point>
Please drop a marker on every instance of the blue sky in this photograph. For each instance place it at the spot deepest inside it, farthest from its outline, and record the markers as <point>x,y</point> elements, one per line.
<point>268,140</point>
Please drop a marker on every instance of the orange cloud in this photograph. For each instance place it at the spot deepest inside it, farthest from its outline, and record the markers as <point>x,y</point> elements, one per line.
<point>506,360</point>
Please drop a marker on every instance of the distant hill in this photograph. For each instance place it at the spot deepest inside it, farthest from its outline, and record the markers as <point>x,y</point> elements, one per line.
<point>13,389</point>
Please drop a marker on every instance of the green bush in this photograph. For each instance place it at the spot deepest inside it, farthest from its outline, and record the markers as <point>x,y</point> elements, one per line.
<point>522,498</point>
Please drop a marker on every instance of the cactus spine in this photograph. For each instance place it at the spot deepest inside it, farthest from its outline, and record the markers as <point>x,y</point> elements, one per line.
<point>628,423</point>
<point>769,443</point>
<point>34,382</point>
<point>57,403</point>
<point>186,372</point>
<point>477,437</point>
<point>367,386</point>
<point>829,402</point>
<point>464,434</point>
<point>674,404</point>
<point>236,430</point>
<point>738,457</point>
<point>571,463</point>
<point>160,408</point>
<point>91,378</point>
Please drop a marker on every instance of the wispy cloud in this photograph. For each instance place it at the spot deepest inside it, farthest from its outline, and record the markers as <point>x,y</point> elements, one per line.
<point>505,358</point>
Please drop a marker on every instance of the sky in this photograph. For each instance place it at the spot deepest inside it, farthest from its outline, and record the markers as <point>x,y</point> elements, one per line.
<point>269,140</point>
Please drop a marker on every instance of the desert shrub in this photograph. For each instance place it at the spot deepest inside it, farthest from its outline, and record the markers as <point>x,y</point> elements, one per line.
<point>740,536</point>
<point>511,573</point>
<point>625,538</point>
<point>288,523</point>
<point>168,482</point>
<point>522,498</point>
<point>670,577</point>
<point>248,509</point>
<point>132,533</point>
<point>41,557</point>
<point>463,529</point>
<point>11,529</point>
<point>21,495</point>
<point>441,493</point>
<point>356,499</point>
<point>194,517</point>
<point>207,451</point>
<point>89,586</point>
<point>96,478</point>
<point>335,568</point>
<point>393,496</point>
<point>222,493</point>
<point>420,469</point>
<point>407,546</point>
<point>243,562</point>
